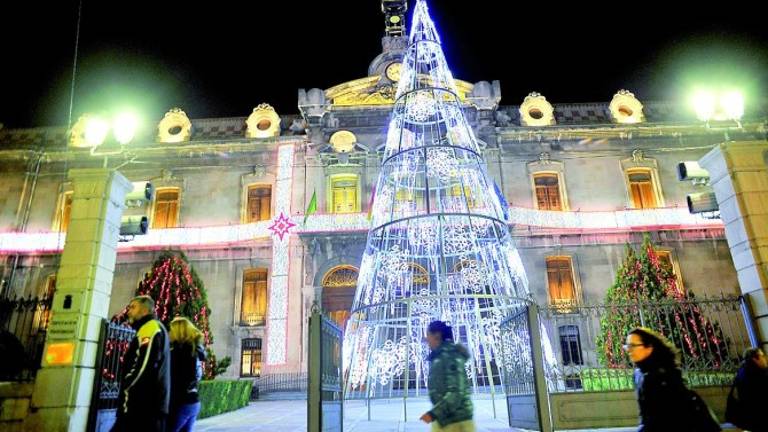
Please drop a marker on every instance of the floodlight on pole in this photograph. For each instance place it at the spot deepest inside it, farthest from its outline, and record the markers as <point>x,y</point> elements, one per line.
<point>124,127</point>
<point>718,105</point>
<point>96,130</point>
<point>732,104</point>
<point>704,104</point>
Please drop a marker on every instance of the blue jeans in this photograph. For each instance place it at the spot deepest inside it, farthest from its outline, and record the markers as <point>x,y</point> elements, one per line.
<point>183,417</point>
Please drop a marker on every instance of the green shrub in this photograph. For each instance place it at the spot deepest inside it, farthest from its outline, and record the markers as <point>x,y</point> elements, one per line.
<point>605,379</point>
<point>220,396</point>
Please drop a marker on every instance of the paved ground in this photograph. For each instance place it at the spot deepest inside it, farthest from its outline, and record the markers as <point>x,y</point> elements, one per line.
<point>386,416</point>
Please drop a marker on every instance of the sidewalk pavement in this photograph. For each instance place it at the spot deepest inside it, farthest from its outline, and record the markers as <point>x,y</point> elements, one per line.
<point>386,416</point>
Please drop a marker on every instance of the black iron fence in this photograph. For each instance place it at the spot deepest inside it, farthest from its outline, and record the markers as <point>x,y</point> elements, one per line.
<point>587,352</point>
<point>281,382</point>
<point>23,325</point>
<point>114,342</point>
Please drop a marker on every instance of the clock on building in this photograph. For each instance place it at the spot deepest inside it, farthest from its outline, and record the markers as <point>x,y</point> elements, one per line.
<point>393,71</point>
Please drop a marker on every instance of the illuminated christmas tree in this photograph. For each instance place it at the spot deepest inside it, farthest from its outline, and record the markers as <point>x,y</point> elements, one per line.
<point>646,292</point>
<point>439,246</point>
<point>178,291</point>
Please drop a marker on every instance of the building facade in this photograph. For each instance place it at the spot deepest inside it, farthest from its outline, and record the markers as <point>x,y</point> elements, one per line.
<point>581,181</point>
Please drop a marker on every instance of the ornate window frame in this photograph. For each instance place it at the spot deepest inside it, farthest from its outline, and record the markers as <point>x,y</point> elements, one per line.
<point>638,162</point>
<point>577,291</point>
<point>329,193</point>
<point>547,166</point>
<point>178,209</point>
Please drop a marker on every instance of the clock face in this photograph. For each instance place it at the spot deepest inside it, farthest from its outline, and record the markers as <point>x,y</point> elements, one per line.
<point>393,71</point>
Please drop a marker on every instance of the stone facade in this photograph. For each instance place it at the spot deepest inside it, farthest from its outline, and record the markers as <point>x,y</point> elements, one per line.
<point>587,147</point>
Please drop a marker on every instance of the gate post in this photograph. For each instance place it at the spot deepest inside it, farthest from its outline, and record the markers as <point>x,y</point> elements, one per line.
<point>314,384</point>
<point>325,386</point>
<point>539,377</point>
<point>64,385</point>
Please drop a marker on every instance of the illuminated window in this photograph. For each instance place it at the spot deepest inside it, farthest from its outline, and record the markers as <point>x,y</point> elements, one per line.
<point>562,289</point>
<point>642,189</point>
<point>259,204</point>
<point>467,194</point>
<point>344,194</point>
<point>166,214</point>
<point>63,212</point>
<point>253,310</point>
<point>250,358</point>
<point>547,191</point>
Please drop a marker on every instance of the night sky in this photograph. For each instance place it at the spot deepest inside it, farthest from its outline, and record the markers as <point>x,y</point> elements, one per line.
<point>222,59</point>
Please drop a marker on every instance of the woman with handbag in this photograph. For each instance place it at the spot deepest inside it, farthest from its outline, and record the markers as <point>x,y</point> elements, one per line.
<point>665,403</point>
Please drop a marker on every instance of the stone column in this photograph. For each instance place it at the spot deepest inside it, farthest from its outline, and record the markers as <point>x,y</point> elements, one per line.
<point>739,176</point>
<point>64,385</point>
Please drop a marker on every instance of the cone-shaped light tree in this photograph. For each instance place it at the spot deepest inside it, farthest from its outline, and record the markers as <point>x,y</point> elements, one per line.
<point>439,246</point>
<point>646,292</point>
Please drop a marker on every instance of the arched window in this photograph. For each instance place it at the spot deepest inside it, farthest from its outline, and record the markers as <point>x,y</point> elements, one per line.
<point>339,285</point>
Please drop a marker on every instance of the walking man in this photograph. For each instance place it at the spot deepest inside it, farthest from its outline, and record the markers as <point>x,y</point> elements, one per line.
<point>146,380</point>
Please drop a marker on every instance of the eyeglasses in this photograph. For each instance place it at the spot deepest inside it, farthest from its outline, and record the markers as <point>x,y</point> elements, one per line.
<point>627,347</point>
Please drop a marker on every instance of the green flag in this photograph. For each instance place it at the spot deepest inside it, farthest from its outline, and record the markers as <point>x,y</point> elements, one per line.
<point>312,207</point>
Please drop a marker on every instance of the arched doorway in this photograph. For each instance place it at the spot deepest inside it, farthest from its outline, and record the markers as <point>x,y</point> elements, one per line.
<point>339,285</point>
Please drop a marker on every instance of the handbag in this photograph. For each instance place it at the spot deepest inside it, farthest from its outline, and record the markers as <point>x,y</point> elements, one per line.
<point>703,419</point>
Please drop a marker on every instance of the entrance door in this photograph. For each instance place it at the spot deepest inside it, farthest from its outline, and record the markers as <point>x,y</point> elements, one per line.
<point>339,286</point>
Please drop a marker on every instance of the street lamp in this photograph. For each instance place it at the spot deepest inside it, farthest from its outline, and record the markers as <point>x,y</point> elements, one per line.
<point>718,106</point>
<point>124,126</point>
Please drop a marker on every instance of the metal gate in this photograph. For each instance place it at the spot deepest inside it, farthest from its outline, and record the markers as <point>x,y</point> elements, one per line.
<point>524,378</point>
<point>325,398</point>
<point>113,344</point>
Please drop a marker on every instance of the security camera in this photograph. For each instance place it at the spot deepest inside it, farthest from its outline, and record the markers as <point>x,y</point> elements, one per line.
<point>133,225</point>
<point>140,195</point>
<point>690,170</point>
<point>702,202</point>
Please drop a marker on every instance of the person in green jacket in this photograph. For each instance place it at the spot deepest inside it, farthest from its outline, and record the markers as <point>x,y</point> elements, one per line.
<point>448,384</point>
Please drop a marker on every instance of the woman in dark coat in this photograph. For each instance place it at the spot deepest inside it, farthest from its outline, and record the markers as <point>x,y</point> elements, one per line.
<point>186,370</point>
<point>664,401</point>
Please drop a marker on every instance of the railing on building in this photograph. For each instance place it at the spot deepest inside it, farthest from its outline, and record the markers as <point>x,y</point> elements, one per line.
<point>711,334</point>
<point>23,326</point>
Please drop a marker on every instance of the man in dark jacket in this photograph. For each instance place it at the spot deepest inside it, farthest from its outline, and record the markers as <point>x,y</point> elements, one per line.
<point>750,386</point>
<point>448,383</point>
<point>146,380</point>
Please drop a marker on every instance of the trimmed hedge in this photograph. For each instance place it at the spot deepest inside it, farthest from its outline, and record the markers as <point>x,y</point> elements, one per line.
<point>598,379</point>
<point>220,396</point>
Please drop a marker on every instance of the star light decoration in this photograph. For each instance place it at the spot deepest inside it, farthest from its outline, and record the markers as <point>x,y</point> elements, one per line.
<point>281,226</point>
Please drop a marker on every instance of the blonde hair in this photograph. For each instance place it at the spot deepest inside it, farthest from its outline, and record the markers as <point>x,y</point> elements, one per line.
<point>182,331</point>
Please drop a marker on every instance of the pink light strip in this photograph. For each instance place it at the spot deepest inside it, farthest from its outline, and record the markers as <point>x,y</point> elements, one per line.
<point>202,237</point>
